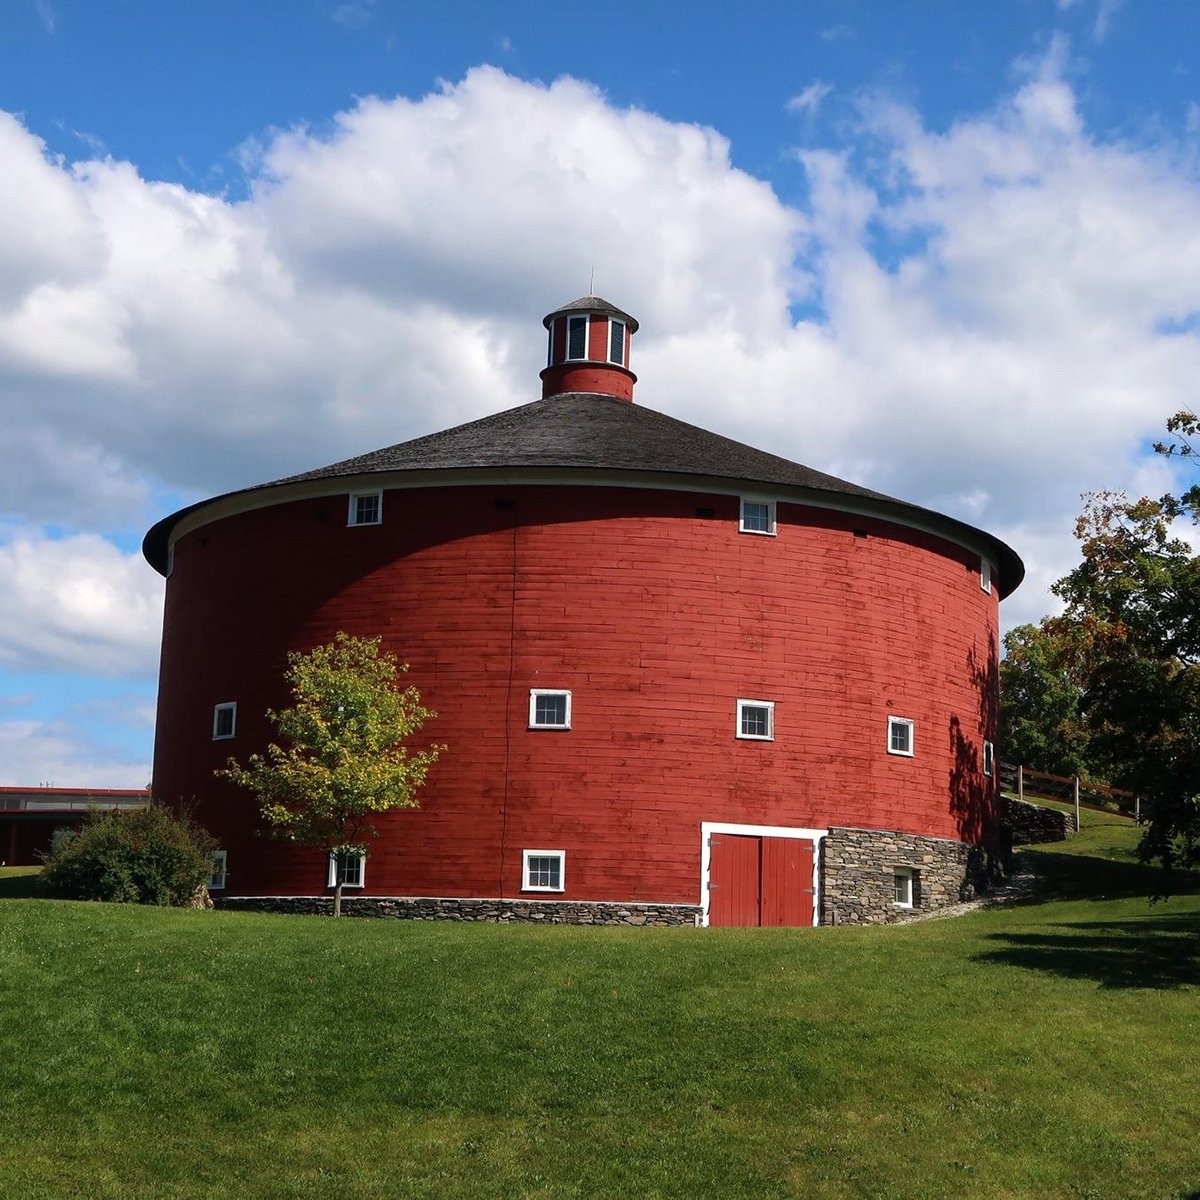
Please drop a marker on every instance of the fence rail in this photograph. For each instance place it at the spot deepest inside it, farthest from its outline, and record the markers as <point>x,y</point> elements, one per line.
<point>1026,781</point>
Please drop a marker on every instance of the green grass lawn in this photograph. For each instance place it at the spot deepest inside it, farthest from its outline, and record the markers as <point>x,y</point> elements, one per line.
<point>1047,1049</point>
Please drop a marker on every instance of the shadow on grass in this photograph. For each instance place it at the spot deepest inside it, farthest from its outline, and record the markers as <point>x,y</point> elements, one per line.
<point>18,887</point>
<point>1144,952</point>
<point>1083,877</point>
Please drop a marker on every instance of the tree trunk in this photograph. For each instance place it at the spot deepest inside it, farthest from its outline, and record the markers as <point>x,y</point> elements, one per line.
<point>337,893</point>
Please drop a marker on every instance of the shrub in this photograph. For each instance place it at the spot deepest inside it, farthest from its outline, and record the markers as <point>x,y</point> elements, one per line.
<point>147,856</point>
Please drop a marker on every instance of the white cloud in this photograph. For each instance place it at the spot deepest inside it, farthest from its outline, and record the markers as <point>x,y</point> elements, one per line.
<point>77,604</point>
<point>57,753</point>
<point>809,100</point>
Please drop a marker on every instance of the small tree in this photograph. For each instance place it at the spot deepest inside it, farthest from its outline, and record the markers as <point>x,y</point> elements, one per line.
<point>146,856</point>
<point>343,757</point>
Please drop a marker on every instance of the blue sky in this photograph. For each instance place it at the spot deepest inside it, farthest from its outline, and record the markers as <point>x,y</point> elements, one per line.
<point>950,251</point>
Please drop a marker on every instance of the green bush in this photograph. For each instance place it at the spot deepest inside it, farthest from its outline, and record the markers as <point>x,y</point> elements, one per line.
<point>147,856</point>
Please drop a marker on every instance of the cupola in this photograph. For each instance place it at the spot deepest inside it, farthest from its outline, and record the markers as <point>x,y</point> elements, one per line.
<point>589,349</point>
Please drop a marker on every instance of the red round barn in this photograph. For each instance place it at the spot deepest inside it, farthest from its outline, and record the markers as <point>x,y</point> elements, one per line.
<point>679,679</point>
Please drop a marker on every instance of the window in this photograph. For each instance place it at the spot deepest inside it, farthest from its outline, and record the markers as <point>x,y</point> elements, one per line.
<point>352,869</point>
<point>616,342</point>
<point>985,575</point>
<point>900,736</point>
<point>989,755</point>
<point>549,709</point>
<point>366,508</point>
<point>216,880</point>
<point>544,870</point>
<point>224,720</point>
<point>756,720</point>
<point>903,885</point>
<point>758,516</point>
<point>577,338</point>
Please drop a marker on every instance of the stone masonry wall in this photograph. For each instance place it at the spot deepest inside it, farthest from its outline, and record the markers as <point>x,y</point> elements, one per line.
<point>1032,823</point>
<point>858,875</point>
<point>429,908</point>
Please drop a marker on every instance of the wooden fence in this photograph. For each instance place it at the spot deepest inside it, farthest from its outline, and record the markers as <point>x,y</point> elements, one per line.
<point>1026,781</point>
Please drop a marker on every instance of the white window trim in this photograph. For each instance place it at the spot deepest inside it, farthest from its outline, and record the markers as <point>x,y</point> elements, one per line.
<point>770,531</point>
<point>985,576</point>
<point>526,855</point>
<point>352,514</point>
<point>708,828</point>
<point>905,873</point>
<point>534,693</point>
<point>229,706</point>
<point>587,337</point>
<point>220,863</point>
<point>612,323</point>
<point>912,740</point>
<point>989,759</point>
<point>361,855</point>
<point>769,705</point>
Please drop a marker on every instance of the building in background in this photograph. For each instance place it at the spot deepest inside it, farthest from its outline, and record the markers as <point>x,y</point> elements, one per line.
<point>31,817</point>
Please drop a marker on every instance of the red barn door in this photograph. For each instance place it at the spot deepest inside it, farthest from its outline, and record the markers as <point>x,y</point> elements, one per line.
<point>759,880</point>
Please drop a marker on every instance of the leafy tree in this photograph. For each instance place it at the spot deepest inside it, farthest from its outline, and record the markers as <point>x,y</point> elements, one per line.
<point>343,757</point>
<point>145,856</point>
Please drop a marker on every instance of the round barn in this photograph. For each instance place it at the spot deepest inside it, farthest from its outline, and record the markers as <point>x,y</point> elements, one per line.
<point>681,680</point>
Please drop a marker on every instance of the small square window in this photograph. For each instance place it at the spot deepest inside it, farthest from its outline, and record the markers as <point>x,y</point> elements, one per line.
<point>758,516</point>
<point>577,338</point>
<point>985,575</point>
<point>544,870</point>
<point>366,508</point>
<point>902,882</point>
<point>352,869</point>
<point>616,342</point>
<point>549,709</point>
<point>756,720</point>
<point>989,755</point>
<point>900,736</point>
<point>224,720</point>
<point>216,880</point>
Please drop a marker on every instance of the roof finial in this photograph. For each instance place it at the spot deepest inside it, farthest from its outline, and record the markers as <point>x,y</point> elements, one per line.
<point>592,282</point>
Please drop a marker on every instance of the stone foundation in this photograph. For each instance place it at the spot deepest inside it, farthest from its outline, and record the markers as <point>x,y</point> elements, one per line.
<point>429,908</point>
<point>1029,824</point>
<point>858,869</point>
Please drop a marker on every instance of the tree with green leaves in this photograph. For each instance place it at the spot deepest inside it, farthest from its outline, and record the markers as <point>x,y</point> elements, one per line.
<point>343,757</point>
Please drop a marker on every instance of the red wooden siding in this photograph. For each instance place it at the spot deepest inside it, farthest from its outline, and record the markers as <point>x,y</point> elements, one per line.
<point>787,881</point>
<point>656,617</point>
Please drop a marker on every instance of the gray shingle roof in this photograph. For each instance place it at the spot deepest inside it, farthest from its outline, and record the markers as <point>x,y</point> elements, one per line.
<point>593,304</point>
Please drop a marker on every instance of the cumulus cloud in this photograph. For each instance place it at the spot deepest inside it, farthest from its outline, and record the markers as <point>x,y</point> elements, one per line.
<point>60,754</point>
<point>77,604</point>
<point>809,100</point>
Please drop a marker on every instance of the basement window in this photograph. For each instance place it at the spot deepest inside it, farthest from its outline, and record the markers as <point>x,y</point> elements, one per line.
<point>366,508</point>
<point>216,881</point>
<point>577,338</point>
<point>900,736</point>
<point>902,883</point>
<point>989,755</point>
<point>616,342</point>
<point>985,575</point>
<point>756,720</point>
<point>549,709</point>
<point>224,720</point>
<point>543,870</point>
<point>351,871</point>
<point>758,516</point>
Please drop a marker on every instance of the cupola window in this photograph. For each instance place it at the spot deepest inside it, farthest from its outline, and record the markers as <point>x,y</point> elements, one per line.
<point>616,342</point>
<point>577,337</point>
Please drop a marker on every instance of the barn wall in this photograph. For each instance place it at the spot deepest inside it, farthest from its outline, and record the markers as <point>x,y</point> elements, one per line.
<point>656,615</point>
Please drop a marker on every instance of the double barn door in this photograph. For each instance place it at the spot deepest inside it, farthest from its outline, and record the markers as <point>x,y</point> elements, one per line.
<point>760,880</point>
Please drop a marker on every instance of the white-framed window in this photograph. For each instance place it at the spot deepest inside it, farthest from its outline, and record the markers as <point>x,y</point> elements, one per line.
<point>756,720</point>
<point>543,870</point>
<point>549,708</point>
<point>758,515</point>
<point>616,342</point>
<point>989,758</point>
<point>902,882</point>
<point>577,338</point>
<point>366,508</point>
<point>216,880</point>
<point>352,869</point>
<point>985,575</point>
<point>224,720</point>
<point>900,736</point>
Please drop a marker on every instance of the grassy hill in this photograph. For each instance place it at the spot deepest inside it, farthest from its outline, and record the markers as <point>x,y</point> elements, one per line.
<point>1047,1049</point>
